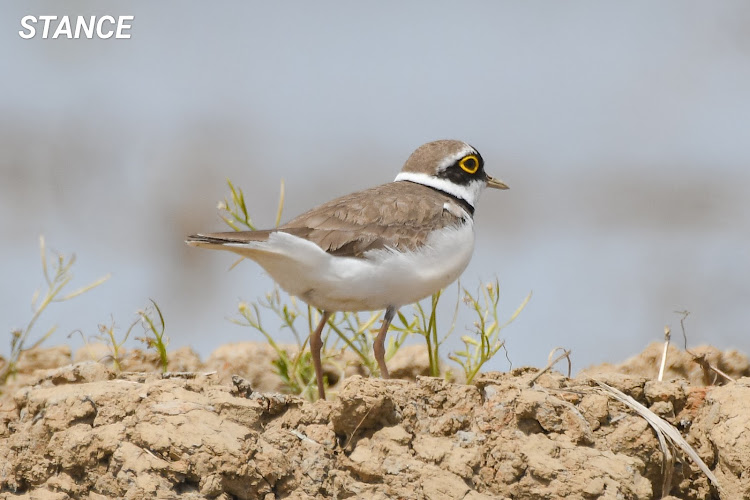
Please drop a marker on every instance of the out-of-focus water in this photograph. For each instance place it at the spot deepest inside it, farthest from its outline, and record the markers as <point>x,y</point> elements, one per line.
<point>622,130</point>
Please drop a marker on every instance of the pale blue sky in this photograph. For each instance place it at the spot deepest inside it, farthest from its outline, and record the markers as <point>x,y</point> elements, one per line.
<point>621,128</point>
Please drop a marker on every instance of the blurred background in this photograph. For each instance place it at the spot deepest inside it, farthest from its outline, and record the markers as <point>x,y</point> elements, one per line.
<point>622,128</point>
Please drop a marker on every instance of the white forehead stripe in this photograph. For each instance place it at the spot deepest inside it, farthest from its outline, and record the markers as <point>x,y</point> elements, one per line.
<point>451,159</point>
<point>469,192</point>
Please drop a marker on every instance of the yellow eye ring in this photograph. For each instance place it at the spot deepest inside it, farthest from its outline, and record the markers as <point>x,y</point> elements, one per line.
<point>473,164</point>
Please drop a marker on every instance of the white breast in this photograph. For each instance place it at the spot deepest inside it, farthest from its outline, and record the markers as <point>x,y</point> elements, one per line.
<point>383,278</point>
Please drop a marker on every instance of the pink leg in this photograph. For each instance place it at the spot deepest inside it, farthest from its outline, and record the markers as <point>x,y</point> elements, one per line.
<point>316,343</point>
<point>379,344</point>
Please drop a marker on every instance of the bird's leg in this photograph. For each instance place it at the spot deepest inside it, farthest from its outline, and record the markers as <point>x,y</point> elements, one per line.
<point>316,343</point>
<point>379,345</point>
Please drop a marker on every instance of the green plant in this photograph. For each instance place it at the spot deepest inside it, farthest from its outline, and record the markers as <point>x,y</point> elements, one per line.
<point>107,336</point>
<point>424,323</point>
<point>486,341</point>
<point>296,371</point>
<point>233,211</point>
<point>154,336</point>
<point>56,281</point>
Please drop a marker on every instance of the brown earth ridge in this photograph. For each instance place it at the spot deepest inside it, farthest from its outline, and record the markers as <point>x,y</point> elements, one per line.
<point>218,430</point>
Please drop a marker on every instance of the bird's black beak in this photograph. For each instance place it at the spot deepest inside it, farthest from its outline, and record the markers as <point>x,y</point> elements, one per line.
<point>496,183</point>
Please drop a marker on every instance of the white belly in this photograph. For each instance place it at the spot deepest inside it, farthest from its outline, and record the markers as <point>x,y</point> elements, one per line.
<point>383,278</point>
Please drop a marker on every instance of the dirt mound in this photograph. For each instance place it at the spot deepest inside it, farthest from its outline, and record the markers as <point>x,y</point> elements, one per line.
<point>79,431</point>
<point>692,366</point>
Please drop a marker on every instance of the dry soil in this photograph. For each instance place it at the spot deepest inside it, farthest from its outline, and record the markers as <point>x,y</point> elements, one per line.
<point>72,428</point>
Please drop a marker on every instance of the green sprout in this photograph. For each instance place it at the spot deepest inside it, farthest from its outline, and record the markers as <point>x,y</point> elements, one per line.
<point>296,370</point>
<point>424,323</point>
<point>107,335</point>
<point>155,338</point>
<point>233,211</point>
<point>486,341</point>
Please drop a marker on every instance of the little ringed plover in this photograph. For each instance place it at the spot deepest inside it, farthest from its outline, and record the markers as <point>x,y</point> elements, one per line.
<point>381,248</point>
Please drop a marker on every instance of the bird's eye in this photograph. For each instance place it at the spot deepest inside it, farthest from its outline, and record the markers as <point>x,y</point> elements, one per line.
<point>469,164</point>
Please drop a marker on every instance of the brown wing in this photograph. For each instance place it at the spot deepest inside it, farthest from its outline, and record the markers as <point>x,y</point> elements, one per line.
<point>398,215</point>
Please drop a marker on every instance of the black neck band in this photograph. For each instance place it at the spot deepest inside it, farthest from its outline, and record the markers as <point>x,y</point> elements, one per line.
<point>467,206</point>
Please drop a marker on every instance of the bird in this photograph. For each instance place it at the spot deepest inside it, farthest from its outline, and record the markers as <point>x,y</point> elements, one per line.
<point>376,249</point>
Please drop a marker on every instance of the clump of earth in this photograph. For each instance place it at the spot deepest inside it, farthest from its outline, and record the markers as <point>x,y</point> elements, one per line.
<point>70,427</point>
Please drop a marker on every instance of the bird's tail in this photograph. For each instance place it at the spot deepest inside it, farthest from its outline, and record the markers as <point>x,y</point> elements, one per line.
<point>231,240</point>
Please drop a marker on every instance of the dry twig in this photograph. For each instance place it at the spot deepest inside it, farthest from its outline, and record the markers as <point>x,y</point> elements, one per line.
<point>701,360</point>
<point>667,336</point>
<point>552,362</point>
